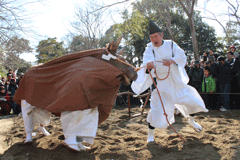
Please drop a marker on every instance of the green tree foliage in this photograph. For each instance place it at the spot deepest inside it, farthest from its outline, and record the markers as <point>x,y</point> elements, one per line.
<point>134,29</point>
<point>12,49</point>
<point>24,67</point>
<point>49,49</point>
<point>78,43</point>
<point>233,30</point>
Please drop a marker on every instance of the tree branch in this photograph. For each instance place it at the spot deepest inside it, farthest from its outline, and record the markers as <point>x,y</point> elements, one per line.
<point>107,6</point>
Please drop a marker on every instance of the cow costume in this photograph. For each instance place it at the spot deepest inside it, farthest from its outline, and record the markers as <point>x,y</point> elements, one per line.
<point>174,91</point>
<point>82,87</point>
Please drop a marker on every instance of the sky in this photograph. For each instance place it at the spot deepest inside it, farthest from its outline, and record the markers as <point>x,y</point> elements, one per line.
<point>54,15</point>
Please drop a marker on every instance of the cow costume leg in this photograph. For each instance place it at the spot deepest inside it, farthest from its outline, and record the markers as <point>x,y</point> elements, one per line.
<point>78,127</point>
<point>31,115</point>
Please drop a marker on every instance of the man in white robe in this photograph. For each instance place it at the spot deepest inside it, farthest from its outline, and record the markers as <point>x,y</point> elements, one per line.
<point>174,91</point>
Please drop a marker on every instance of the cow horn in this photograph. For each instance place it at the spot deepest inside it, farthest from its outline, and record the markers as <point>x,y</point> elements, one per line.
<point>110,46</point>
<point>118,42</point>
<point>121,51</point>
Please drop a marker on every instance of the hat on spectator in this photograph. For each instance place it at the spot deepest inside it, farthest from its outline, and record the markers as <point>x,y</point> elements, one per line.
<point>221,58</point>
<point>233,46</point>
<point>9,74</point>
<point>2,88</point>
<point>196,62</point>
<point>211,58</point>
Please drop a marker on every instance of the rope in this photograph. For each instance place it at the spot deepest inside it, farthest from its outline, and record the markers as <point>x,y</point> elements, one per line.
<point>164,107</point>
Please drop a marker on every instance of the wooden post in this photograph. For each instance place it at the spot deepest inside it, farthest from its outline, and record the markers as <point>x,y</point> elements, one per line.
<point>129,106</point>
<point>144,106</point>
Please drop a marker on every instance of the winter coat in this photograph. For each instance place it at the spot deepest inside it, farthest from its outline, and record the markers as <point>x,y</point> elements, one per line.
<point>208,84</point>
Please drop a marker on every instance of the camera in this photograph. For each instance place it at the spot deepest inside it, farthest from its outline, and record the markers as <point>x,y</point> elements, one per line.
<point>207,63</point>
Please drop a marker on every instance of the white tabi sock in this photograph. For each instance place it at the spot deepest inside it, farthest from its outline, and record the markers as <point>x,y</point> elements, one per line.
<point>28,137</point>
<point>71,142</point>
<point>83,147</point>
<point>44,131</point>
<point>150,135</point>
<point>195,125</point>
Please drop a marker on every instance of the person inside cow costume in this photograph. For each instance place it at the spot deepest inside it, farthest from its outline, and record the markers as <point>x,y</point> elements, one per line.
<point>80,87</point>
<point>165,60</point>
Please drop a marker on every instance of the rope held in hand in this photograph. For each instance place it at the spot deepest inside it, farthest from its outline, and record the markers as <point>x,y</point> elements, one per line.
<point>163,107</point>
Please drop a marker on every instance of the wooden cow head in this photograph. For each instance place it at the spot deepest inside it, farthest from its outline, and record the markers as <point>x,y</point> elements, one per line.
<point>113,57</point>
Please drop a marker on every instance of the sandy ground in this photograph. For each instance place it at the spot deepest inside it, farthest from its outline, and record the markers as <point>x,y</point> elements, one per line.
<point>121,137</point>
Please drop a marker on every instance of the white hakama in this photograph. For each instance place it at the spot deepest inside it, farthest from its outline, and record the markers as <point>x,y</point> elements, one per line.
<point>82,124</point>
<point>32,116</point>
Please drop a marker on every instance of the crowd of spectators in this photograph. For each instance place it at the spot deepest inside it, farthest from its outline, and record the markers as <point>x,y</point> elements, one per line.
<point>8,87</point>
<point>217,79</point>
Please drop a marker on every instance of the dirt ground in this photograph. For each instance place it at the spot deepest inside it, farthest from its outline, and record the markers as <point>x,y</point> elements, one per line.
<point>121,137</point>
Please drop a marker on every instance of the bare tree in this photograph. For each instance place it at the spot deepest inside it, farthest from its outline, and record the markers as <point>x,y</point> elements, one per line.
<point>189,10</point>
<point>232,12</point>
<point>14,18</point>
<point>88,24</point>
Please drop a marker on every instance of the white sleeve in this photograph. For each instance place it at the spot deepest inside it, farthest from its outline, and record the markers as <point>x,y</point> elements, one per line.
<point>148,55</point>
<point>179,55</point>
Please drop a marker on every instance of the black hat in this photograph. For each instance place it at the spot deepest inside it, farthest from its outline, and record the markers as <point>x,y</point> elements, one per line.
<point>211,58</point>
<point>196,62</point>
<point>153,28</point>
<point>9,74</point>
<point>221,58</point>
<point>230,52</point>
<point>2,88</point>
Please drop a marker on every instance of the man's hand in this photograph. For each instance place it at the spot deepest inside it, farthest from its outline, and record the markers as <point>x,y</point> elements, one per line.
<point>150,65</point>
<point>168,62</point>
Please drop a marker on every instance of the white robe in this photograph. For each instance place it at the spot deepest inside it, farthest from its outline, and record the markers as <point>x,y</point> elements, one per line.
<point>82,124</point>
<point>174,91</point>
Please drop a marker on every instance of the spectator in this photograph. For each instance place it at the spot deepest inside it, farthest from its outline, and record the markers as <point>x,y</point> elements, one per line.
<point>10,71</point>
<point>232,49</point>
<point>235,84</point>
<point>11,88</point>
<point>208,63</point>
<point>202,64</point>
<point>208,86</point>
<point>19,78</point>
<point>205,56</point>
<point>224,78</point>
<point>3,80</point>
<point>187,68</point>
<point>230,57</point>
<point>196,76</point>
<point>213,65</point>
<point>215,55</point>
<point>14,75</point>
<point>4,100</point>
<point>7,82</point>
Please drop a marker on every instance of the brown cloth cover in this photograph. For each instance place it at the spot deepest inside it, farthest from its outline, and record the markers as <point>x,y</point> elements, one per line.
<point>72,82</point>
